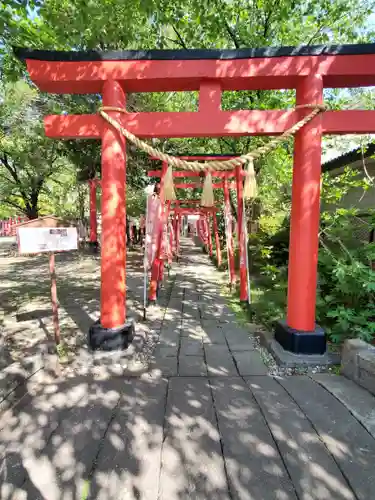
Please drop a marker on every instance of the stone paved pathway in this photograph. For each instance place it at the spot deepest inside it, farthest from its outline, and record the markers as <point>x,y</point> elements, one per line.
<point>206,422</point>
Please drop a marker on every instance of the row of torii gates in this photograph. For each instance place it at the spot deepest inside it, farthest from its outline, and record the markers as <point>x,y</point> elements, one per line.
<point>179,208</point>
<point>307,69</point>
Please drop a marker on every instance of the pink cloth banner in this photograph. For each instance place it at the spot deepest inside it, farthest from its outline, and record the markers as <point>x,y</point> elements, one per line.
<point>153,227</point>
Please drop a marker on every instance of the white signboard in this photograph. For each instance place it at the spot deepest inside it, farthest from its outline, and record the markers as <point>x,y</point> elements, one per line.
<point>47,239</point>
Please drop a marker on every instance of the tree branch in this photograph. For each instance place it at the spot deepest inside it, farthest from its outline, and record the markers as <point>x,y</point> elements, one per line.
<point>182,42</point>
<point>14,175</point>
<point>13,204</point>
<point>231,34</point>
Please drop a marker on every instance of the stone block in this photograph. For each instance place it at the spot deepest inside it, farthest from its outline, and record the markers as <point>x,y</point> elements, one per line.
<point>192,366</point>
<point>191,347</point>
<point>358,363</point>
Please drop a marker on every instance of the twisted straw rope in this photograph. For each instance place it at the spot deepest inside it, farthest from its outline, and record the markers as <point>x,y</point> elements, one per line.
<point>214,164</point>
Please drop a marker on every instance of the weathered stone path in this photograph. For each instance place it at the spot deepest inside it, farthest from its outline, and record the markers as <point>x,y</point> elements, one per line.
<point>206,422</point>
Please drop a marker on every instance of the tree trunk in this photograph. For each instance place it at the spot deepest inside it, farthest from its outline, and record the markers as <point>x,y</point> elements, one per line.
<point>32,212</point>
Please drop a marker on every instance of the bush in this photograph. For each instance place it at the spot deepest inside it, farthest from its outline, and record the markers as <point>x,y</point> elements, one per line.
<point>345,299</point>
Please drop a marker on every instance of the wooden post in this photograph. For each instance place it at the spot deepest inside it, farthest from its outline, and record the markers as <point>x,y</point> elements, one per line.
<point>55,312</point>
<point>217,239</point>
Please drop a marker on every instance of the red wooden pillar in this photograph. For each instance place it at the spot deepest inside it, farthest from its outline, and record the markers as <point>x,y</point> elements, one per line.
<point>227,211</point>
<point>209,234</point>
<point>93,218</point>
<point>217,240</point>
<point>177,233</point>
<point>200,229</point>
<point>304,241</point>
<point>156,271</point>
<point>241,242</point>
<point>113,261</point>
<point>300,334</point>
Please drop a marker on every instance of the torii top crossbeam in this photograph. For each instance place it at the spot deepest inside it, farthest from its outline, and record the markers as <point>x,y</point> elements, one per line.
<point>210,72</point>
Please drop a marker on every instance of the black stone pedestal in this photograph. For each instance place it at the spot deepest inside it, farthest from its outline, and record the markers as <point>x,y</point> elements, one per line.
<point>93,247</point>
<point>300,342</point>
<point>110,339</point>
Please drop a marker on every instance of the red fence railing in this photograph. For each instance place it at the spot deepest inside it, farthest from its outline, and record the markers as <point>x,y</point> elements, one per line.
<point>7,226</point>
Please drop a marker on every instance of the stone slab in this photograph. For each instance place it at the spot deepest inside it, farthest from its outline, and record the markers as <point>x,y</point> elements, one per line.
<point>165,351</point>
<point>170,338</point>
<point>166,366</point>
<point>356,399</point>
<point>191,347</point>
<point>192,463</point>
<point>128,465</point>
<point>214,335</point>
<point>192,366</point>
<point>219,360</point>
<point>239,340</point>
<point>26,430</point>
<point>250,363</point>
<point>346,439</point>
<point>254,466</point>
<point>68,458</point>
<point>312,468</point>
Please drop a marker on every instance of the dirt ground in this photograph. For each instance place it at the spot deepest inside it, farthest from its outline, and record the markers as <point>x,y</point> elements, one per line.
<point>25,306</point>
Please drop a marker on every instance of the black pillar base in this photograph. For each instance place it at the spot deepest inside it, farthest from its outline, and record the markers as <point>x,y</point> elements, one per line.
<point>93,247</point>
<point>300,342</point>
<point>110,339</point>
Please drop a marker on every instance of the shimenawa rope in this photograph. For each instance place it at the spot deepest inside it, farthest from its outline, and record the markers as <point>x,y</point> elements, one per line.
<point>250,182</point>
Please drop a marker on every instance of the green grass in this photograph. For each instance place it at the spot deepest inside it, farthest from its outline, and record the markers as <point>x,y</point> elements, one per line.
<point>268,302</point>
<point>268,298</point>
<point>85,490</point>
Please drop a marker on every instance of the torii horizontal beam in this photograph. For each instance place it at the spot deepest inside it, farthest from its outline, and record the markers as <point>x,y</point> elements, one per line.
<point>197,185</point>
<point>225,174</point>
<point>208,157</point>
<point>219,124</point>
<point>194,210</point>
<point>163,71</point>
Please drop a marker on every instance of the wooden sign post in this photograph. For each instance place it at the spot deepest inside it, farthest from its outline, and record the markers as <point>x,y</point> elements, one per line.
<point>48,235</point>
<point>55,312</point>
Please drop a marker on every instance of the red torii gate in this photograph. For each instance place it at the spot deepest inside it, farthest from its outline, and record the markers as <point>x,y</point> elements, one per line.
<point>158,264</point>
<point>307,69</point>
<point>206,211</point>
<point>225,175</point>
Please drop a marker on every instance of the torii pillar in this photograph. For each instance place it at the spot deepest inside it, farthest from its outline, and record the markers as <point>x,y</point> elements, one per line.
<point>299,333</point>
<point>112,331</point>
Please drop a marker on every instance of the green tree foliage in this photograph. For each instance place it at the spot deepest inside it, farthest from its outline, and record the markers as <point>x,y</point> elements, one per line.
<point>27,158</point>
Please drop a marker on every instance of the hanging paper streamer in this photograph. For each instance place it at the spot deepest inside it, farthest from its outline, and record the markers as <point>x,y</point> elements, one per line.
<point>168,186</point>
<point>250,186</point>
<point>208,199</point>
